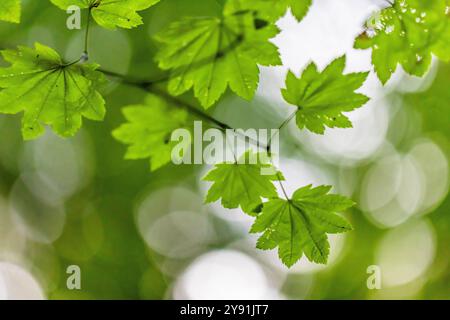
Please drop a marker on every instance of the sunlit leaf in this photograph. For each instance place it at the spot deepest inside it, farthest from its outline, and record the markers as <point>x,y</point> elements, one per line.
<point>322,97</point>
<point>300,225</point>
<point>48,91</point>
<point>242,183</point>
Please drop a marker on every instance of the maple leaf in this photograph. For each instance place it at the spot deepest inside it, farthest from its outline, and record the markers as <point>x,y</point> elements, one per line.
<point>48,91</point>
<point>209,54</point>
<point>10,10</point>
<point>272,10</point>
<point>300,225</point>
<point>241,183</point>
<point>407,33</point>
<point>322,97</point>
<point>111,13</point>
<point>149,128</point>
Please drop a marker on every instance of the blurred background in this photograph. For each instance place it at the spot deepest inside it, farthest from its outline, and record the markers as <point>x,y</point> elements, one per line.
<point>142,235</point>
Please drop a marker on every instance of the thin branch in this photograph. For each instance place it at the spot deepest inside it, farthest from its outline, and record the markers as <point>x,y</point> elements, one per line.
<point>151,88</point>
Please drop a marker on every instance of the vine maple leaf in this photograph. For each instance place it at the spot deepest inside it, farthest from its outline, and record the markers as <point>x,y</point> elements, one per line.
<point>111,13</point>
<point>322,97</point>
<point>149,129</point>
<point>210,54</point>
<point>241,183</point>
<point>407,33</point>
<point>48,91</point>
<point>300,225</point>
<point>272,10</point>
<point>10,10</point>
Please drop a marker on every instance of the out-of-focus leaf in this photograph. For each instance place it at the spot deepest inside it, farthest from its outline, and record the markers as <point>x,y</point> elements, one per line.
<point>10,10</point>
<point>407,33</point>
<point>271,10</point>
<point>434,103</point>
<point>149,129</point>
<point>209,54</point>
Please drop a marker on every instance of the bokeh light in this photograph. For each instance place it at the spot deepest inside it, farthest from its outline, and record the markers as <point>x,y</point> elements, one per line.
<point>18,284</point>
<point>223,274</point>
<point>405,253</point>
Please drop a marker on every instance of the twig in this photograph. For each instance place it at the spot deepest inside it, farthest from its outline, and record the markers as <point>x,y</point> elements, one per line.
<point>151,88</point>
<point>86,36</point>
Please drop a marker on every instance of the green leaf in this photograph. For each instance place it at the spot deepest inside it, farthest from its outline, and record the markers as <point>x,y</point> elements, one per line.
<point>271,10</point>
<point>149,128</point>
<point>241,183</point>
<point>300,225</point>
<point>209,54</point>
<point>10,10</point>
<point>300,8</point>
<point>407,33</point>
<point>111,13</point>
<point>49,92</point>
<point>322,97</point>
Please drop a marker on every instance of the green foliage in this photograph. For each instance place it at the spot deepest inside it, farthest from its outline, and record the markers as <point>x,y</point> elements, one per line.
<point>299,8</point>
<point>300,225</point>
<point>322,97</point>
<point>209,54</point>
<point>408,33</point>
<point>296,226</point>
<point>241,183</point>
<point>111,13</point>
<point>205,55</point>
<point>49,91</point>
<point>149,129</point>
<point>10,10</point>
<point>271,10</point>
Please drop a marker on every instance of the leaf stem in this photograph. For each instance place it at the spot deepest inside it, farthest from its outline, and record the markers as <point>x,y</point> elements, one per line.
<point>269,152</point>
<point>280,182</point>
<point>86,36</point>
<point>71,63</point>
<point>280,127</point>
